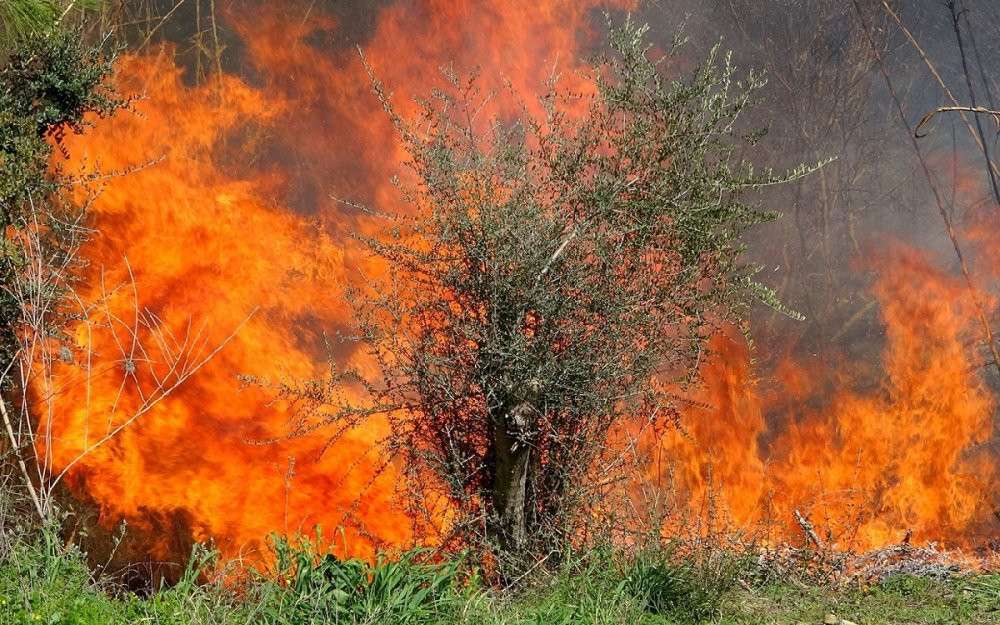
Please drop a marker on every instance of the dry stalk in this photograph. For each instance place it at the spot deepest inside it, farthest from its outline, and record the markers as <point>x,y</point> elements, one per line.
<point>979,110</point>
<point>810,531</point>
<point>153,361</point>
<point>945,217</point>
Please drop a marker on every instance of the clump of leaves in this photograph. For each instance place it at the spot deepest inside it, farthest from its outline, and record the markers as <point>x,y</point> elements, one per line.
<point>49,86</point>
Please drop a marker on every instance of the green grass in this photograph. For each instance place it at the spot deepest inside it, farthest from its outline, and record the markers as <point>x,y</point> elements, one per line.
<point>44,582</point>
<point>302,587</point>
<point>897,601</point>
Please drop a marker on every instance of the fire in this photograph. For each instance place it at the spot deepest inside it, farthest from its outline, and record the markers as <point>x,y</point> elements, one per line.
<point>238,222</point>
<point>212,246</point>
<point>872,456</point>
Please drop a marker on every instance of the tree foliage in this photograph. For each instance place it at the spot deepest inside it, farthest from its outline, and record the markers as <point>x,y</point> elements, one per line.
<point>50,84</point>
<point>556,277</point>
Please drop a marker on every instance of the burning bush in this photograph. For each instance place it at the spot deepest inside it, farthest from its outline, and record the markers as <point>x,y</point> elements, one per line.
<point>557,274</point>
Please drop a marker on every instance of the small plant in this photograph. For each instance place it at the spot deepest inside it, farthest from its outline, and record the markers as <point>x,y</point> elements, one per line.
<point>309,586</point>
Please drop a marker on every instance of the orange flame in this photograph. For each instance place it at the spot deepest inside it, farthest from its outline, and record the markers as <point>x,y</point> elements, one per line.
<point>239,217</point>
<point>868,466</point>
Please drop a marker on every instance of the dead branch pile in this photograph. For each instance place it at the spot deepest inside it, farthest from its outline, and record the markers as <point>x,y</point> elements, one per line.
<point>836,568</point>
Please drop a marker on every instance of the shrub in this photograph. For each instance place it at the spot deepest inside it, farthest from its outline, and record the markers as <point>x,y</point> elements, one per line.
<point>554,278</point>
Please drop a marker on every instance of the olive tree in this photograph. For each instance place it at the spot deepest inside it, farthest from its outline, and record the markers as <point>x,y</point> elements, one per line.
<point>555,278</point>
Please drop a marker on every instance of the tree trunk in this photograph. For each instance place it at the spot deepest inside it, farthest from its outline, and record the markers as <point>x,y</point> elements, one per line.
<point>512,432</point>
<point>509,488</point>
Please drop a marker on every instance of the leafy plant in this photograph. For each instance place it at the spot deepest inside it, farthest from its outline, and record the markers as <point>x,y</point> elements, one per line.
<point>51,82</point>
<point>311,587</point>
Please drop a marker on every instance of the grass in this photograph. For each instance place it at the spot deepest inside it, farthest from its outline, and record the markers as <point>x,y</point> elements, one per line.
<point>41,581</point>
<point>897,601</point>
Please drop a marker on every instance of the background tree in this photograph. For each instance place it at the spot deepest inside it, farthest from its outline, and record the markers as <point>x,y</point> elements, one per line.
<point>556,278</point>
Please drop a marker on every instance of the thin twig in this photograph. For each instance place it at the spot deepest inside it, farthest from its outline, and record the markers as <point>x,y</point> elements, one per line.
<point>20,460</point>
<point>948,109</point>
